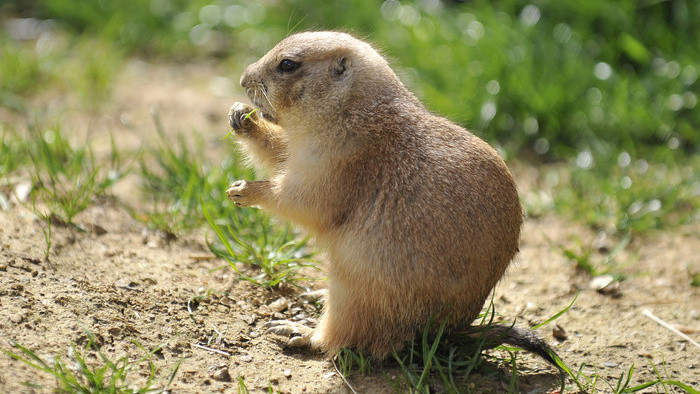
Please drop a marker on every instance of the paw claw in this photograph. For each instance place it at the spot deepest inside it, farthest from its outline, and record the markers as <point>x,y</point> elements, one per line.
<point>237,193</point>
<point>315,295</point>
<point>301,341</point>
<point>238,117</point>
<point>301,335</point>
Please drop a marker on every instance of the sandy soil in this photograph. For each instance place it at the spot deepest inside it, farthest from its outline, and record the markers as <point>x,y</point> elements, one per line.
<point>128,284</point>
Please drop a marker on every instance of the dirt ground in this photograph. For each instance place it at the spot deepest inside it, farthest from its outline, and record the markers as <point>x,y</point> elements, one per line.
<point>130,284</point>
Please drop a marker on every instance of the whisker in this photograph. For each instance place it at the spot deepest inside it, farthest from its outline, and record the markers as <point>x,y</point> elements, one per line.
<point>264,92</point>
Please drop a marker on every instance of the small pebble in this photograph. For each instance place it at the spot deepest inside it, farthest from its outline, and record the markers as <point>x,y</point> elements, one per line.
<point>246,358</point>
<point>558,332</point>
<point>600,282</point>
<point>608,364</point>
<point>97,229</point>
<point>287,373</point>
<point>605,284</point>
<point>279,305</point>
<point>686,329</point>
<point>250,319</point>
<point>221,374</point>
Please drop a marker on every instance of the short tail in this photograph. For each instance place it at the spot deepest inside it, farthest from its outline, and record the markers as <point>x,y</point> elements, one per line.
<point>494,335</point>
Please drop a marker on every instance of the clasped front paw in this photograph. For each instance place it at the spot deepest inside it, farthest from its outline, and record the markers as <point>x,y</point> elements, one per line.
<point>238,193</point>
<point>241,118</point>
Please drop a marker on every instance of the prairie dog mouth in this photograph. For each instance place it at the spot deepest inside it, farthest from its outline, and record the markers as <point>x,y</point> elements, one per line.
<point>257,93</point>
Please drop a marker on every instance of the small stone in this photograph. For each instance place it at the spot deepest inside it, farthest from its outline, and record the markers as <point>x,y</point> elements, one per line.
<point>608,364</point>
<point>250,319</point>
<point>287,373</point>
<point>97,229</point>
<point>559,333</point>
<point>21,192</point>
<point>328,375</point>
<point>3,267</point>
<point>600,282</point>
<point>246,358</point>
<point>221,374</point>
<point>126,283</point>
<point>685,329</point>
<point>279,305</point>
<point>605,284</point>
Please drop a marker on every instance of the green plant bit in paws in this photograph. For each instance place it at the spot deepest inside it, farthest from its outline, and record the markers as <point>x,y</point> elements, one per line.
<point>244,118</point>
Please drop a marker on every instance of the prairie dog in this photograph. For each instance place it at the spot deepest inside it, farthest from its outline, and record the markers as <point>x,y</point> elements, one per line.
<point>417,215</point>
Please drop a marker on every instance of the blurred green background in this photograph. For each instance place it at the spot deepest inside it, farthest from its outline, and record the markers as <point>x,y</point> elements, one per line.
<point>547,77</point>
<point>608,88</point>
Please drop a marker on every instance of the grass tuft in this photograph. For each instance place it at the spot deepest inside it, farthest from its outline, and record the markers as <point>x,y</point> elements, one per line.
<point>80,375</point>
<point>65,178</point>
<point>255,241</point>
<point>583,255</point>
<point>173,179</point>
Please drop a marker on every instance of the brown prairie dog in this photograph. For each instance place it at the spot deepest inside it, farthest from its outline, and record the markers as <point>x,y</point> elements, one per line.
<point>416,214</point>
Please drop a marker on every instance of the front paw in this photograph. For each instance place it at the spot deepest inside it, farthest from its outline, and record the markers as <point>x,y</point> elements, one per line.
<point>239,192</point>
<point>242,118</point>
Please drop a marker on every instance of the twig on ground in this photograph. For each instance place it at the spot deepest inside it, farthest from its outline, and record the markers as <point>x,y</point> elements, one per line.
<point>647,313</point>
<point>343,377</point>
<point>207,348</point>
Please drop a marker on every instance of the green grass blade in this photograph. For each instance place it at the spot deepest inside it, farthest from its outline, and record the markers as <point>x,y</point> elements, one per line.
<point>558,314</point>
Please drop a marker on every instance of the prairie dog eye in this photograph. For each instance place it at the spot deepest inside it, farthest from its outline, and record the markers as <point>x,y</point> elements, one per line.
<point>287,65</point>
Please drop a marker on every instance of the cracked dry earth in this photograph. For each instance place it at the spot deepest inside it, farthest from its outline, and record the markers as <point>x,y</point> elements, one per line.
<point>124,283</point>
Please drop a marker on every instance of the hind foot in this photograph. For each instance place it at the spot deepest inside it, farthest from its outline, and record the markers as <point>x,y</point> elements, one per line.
<point>301,335</point>
<point>315,295</point>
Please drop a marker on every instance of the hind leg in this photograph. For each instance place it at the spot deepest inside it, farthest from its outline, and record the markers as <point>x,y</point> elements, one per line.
<point>334,331</point>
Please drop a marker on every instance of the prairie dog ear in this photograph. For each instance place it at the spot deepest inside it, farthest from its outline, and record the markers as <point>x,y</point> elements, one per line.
<point>339,68</point>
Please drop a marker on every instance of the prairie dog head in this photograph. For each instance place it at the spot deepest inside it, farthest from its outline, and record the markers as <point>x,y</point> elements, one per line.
<point>309,78</point>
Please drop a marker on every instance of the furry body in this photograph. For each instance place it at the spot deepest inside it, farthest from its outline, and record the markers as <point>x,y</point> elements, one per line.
<point>417,215</point>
